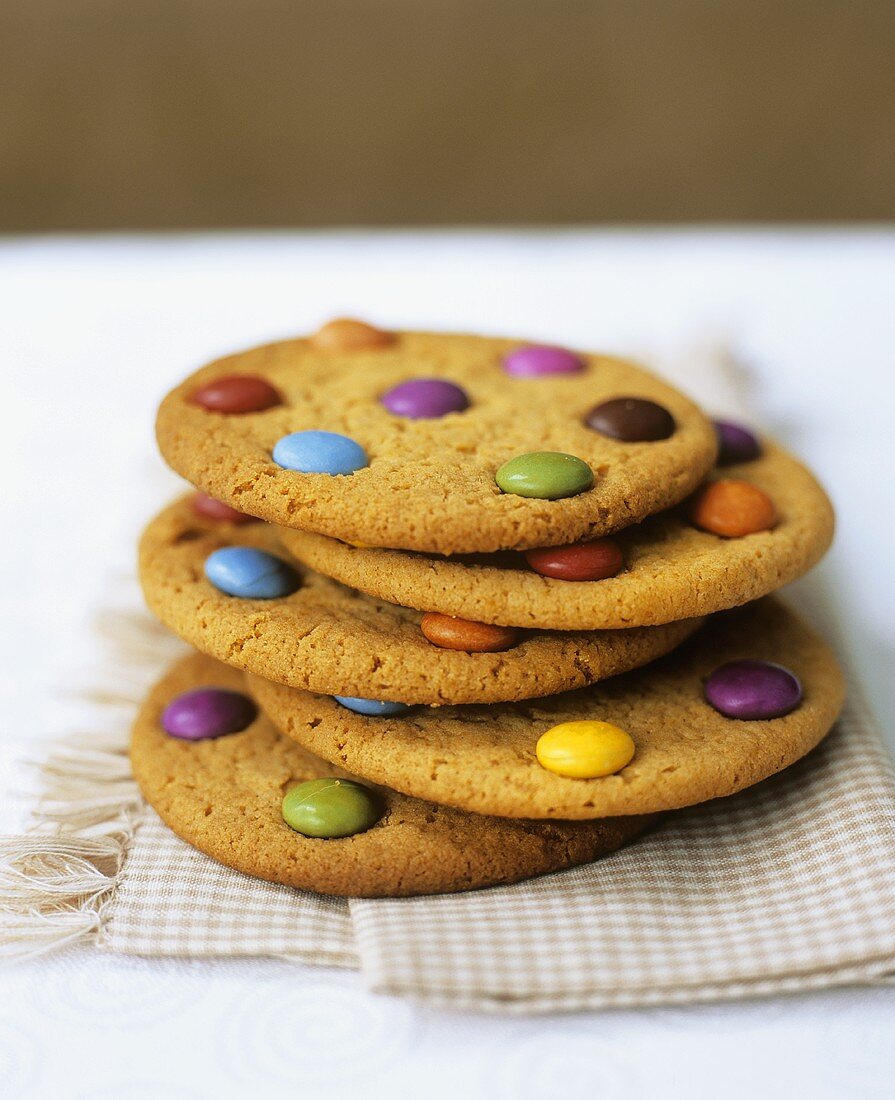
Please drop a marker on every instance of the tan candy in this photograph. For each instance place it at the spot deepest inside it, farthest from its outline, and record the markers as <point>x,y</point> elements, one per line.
<point>448,632</point>
<point>346,334</point>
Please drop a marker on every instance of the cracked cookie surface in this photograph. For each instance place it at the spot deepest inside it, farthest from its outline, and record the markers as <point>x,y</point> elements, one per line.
<point>223,796</point>
<point>482,758</point>
<point>430,483</point>
<point>672,569</point>
<point>331,639</point>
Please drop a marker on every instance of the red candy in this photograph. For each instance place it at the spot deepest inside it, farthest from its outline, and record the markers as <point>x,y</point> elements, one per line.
<point>582,561</point>
<point>209,508</point>
<point>238,393</point>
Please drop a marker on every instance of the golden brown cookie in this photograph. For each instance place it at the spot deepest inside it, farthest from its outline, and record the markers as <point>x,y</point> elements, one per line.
<point>482,758</point>
<point>333,640</point>
<point>672,569</point>
<point>428,483</point>
<point>224,795</point>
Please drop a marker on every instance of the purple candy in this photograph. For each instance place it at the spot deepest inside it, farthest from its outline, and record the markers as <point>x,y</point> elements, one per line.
<point>753,690</point>
<point>425,399</point>
<point>536,359</point>
<point>208,712</point>
<point>735,443</point>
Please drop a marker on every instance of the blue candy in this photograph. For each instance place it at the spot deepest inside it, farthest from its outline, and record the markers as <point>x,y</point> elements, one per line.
<point>314,452</point>
<point>251,574</point>
<point>370,707</point>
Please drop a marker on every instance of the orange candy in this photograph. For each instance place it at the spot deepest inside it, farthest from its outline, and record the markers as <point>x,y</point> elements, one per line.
<point>449,633</point>
<point>733,508</point>
<point>346,334</point>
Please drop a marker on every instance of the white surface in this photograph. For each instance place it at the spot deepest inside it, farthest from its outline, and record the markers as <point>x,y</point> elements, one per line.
<point>93,332</point>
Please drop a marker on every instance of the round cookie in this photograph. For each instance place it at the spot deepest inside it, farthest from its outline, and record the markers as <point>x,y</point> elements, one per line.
<point>330,639</point>
<point>425,480</point>
<point>672,569</point>
<point>483,758</point>
<point>224,797</point>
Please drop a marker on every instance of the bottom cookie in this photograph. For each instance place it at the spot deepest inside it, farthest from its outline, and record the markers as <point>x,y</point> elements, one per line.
<point>224,794</point>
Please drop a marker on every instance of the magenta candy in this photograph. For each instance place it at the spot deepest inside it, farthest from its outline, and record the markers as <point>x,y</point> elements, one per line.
<point>208,712</point>
<point>735,443</point>
<point>425,398</point>
<point>753,690</point>
<point>533,360</point>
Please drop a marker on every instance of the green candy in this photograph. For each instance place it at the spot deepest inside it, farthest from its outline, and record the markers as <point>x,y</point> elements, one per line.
<point>330,808</point>
<point>547,475</point>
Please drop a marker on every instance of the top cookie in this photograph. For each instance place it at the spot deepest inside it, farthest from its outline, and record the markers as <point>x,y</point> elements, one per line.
<point>438,443</point>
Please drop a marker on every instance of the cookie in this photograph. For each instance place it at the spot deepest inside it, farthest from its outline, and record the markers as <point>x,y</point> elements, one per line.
<point>483,759</point>
<point>436,443</point>
<point>224,796</point>
<point>670,568</point>
<point>330,639</point>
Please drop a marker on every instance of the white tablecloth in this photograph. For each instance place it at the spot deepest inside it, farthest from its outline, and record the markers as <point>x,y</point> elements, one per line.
<point>92,333</point>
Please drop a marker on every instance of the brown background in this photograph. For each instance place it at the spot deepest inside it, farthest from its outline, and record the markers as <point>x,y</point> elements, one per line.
<point>172,113</point>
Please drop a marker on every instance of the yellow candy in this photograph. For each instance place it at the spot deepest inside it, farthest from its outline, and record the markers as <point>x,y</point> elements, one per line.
<point>584,750</point>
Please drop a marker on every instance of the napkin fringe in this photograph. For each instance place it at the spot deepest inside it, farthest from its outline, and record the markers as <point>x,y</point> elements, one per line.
<point>57,881</point>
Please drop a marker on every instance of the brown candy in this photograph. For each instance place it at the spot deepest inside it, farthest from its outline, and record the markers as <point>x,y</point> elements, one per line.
<point>448,632</point>
<point>237,393</point>
<point>216,510</point>
<point>581,561</point>
<point>733,508</point>
<point>346,334</point>
<point>631,420</point>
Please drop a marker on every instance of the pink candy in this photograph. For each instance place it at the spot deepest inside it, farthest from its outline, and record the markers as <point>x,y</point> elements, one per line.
<point>533,360</point>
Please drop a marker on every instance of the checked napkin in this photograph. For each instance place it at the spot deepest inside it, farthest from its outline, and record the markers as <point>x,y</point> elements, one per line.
<point>787,886</point>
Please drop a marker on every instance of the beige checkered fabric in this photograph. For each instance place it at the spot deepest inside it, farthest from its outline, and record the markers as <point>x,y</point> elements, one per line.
<point>789,886</point>
<point>173,900</point>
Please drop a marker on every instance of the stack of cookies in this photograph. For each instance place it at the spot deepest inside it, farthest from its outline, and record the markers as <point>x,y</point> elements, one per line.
<point>466,610</point>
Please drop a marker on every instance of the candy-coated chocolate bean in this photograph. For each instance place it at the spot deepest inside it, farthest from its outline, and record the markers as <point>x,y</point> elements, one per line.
<point>329,808</point>
<point>631,420</point>
<point>238,393</point>
<point>371,707</point>
<point>735,443</point>
<point>545,475</point>
<point>733,508</point>
<point>585,750</point>
<point>425,399</point>
<point>208,712</point>
<point>581,561</point>
<point>448,632</point>
<point>209,508</point>
<point>314,452</point>
<point>250,574</point>
<point>753,690</point>
<point>347,334</point>
<point>535,360</point>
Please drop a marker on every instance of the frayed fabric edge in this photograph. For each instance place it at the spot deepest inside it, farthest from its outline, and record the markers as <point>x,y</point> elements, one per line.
<point>58,880</point>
